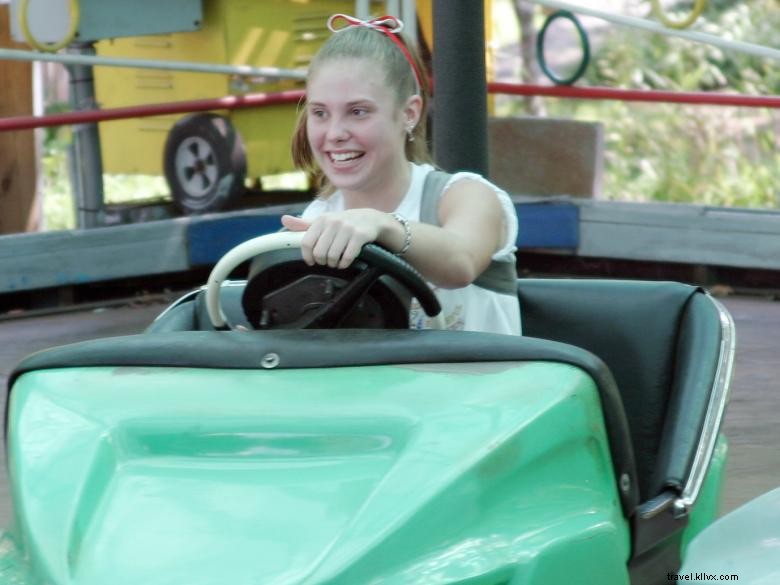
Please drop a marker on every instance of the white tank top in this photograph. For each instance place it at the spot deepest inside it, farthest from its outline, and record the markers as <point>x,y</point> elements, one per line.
<point>471,308</point>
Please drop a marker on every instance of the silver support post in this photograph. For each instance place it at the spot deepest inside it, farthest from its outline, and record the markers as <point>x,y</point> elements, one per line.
<point>86,165</point>
<point>393,8</point>
<point>363,8</point>
<point>409,16</point>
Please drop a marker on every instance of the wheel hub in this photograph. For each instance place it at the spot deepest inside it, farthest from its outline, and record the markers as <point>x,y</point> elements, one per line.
<point>196,166</point>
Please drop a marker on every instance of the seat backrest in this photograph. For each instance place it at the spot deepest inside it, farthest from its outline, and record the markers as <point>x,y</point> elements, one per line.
<point>660,340</point>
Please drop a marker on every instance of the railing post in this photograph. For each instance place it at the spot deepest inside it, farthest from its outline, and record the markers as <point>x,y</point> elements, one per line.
<point>86,164</point>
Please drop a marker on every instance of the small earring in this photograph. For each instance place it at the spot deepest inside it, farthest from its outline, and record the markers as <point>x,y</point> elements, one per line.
<point>409,134</point>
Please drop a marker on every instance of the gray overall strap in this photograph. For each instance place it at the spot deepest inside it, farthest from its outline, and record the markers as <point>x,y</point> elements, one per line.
<point>501,275</point>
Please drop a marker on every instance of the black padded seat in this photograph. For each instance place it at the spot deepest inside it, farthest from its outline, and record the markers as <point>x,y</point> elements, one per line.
<point>661,341</point>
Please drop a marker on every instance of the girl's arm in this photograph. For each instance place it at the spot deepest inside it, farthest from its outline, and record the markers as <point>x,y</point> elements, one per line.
<point>450,256</point>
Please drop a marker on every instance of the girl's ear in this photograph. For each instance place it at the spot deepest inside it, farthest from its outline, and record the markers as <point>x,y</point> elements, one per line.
<point>412,110</point>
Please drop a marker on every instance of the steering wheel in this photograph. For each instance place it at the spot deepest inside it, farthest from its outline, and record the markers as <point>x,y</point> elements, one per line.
<point>378,260</point>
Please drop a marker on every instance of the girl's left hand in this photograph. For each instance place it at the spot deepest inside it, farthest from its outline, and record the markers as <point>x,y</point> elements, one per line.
<point>335,239</point>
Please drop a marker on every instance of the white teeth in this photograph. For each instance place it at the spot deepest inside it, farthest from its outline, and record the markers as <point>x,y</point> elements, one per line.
<point>342,156</point>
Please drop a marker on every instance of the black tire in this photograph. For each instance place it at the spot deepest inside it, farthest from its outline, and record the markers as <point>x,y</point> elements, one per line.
<point>205,163</point>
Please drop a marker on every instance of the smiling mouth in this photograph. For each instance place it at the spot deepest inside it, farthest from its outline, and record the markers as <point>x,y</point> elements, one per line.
<point>339,157</point>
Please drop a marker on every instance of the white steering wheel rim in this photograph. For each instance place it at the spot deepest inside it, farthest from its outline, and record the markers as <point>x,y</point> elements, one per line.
<point>246,251</point>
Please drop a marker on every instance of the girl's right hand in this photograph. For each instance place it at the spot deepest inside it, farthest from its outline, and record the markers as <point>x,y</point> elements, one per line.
<point>336,239</point>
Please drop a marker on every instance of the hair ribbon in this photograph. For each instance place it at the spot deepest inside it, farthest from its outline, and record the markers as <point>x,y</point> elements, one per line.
<point>387,25</point>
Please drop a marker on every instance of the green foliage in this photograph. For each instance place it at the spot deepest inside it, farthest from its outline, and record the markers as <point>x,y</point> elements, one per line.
<point>58,208</point>
<point>655,61</point>
<point>58,202</point>
<point>694,154</point>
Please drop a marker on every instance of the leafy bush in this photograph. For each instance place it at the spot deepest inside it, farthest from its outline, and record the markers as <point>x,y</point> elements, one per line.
<point>58,207</point>
<point>694,154</point>
<point>58,200</point>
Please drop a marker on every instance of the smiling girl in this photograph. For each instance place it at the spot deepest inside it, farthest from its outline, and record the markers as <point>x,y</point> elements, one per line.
<point>362,135</point>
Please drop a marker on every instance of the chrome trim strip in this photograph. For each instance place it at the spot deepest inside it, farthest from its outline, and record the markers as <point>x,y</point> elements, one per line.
<point>719,396</point>
<point>186,297</point>
<point>182,299</point>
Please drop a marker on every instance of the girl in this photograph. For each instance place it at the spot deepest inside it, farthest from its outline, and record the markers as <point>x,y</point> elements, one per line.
<point>362,135</point>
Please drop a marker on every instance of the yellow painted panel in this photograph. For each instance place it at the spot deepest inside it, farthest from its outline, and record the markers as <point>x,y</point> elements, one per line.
<point>136,145</point>
<point>267,33</point>
<point>271,33</point>
<point>425,18</point>
<point>276,33</point>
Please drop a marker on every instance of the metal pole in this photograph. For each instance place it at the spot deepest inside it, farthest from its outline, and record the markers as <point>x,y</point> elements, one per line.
<point>363,8</point>
<point>460,94</point>
<point>243,71</point>
<point>85,160</point>
<point>409,16</point>
<point>393,8</point>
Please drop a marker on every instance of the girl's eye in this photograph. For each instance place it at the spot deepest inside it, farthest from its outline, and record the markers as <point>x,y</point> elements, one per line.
<point>317,113</point>
<point>359,112</point>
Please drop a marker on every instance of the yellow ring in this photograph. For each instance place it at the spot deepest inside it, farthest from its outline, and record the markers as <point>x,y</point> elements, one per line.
<point>24,6</point>
<point>659,13</point>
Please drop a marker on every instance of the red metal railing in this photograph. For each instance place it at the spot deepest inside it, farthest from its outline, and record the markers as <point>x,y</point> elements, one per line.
<point>145,111</point>
<point>295,96</point>
<point>636,95</point>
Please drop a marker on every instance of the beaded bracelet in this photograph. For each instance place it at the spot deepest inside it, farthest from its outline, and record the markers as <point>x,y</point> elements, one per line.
<point>407,233</point>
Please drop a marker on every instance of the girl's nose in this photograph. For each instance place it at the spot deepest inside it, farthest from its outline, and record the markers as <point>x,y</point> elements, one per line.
<point>337,131</point>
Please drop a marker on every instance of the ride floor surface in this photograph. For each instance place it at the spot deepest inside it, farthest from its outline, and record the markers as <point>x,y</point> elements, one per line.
<point>754,457</point>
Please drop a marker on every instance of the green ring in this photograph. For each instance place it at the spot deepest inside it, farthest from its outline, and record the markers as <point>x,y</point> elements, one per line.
<point>583,41</point>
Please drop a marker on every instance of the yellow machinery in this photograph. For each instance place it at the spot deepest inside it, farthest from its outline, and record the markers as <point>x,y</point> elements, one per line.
<point>207,158</point>
<point>279,33</point>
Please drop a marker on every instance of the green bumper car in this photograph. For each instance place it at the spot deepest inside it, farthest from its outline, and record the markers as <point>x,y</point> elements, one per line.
<point>290,430</point>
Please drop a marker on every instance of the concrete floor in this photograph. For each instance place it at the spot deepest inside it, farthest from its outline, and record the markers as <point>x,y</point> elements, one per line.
<point>751,417</point>
<point>750,423</point>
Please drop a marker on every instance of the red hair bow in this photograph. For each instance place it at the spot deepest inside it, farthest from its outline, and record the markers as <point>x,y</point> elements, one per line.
<point>388,25</point>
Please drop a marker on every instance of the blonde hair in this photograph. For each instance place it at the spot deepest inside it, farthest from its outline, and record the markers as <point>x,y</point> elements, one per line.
<point>361,42</point>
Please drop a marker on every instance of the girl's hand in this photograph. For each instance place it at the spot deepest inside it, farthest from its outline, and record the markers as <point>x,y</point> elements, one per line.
<point>335,239</point>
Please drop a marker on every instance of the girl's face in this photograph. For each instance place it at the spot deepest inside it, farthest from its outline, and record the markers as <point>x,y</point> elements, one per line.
<point>356,128</point>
